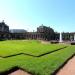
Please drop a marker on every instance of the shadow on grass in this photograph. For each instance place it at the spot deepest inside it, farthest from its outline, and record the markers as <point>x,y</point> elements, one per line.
<point>12,70</point>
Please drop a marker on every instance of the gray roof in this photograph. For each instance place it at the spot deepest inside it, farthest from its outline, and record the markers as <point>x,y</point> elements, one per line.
<point>17,31</point>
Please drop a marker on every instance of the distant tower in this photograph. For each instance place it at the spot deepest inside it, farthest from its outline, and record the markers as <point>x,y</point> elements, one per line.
<point>33,30</point>
<point>3,25</point>
<point>2,21</point>
<point>42,25</point>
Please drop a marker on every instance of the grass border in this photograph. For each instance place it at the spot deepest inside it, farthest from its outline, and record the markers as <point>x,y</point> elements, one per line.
<point>57,70</point>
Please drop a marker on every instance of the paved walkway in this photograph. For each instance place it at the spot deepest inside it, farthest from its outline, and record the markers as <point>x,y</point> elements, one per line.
<point>19,72</point>
<point>69,68</point>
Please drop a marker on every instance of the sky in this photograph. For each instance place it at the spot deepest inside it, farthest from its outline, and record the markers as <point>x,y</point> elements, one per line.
<point>30,14</point>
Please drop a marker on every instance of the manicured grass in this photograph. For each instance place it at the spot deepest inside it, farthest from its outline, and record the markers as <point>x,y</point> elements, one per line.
<point>44,65</point>
<point>32,47</point>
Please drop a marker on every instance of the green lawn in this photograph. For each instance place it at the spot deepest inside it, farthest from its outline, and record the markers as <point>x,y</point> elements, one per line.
<point>32,47</point>
<point>44,65</point>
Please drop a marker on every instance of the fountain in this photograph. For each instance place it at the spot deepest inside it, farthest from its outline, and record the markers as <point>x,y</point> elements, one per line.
<point>60,38</point>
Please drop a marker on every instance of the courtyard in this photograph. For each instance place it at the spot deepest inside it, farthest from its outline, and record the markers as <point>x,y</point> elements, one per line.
<point>33,56</point>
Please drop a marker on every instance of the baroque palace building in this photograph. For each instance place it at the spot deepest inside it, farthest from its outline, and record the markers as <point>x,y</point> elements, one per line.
<point>4,31</point>
<point>42,33</point>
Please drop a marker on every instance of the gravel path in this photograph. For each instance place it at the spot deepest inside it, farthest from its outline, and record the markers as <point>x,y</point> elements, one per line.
<point>19,72</point>
<point>69,68</point>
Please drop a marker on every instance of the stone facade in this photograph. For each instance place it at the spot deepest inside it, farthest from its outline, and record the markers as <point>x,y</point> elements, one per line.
<point>4,31</point>
<point>68,36</point>
<point>18,34</point>
<point>42,33</point>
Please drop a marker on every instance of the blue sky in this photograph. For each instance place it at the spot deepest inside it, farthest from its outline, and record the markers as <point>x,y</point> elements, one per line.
<point>29,14</point>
